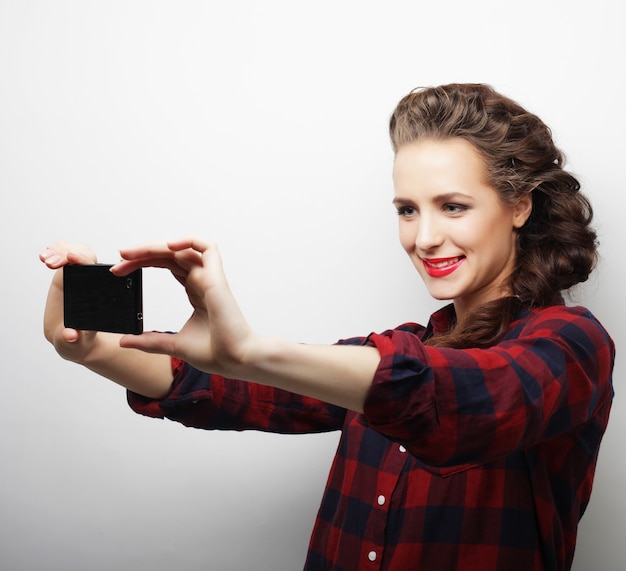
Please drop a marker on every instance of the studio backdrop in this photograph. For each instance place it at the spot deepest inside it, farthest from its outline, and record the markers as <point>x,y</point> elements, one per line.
<point>262,126</point>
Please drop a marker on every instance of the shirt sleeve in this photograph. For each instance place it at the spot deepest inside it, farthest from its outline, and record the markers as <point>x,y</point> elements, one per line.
<point>551,374</point>
<point>202,400</point>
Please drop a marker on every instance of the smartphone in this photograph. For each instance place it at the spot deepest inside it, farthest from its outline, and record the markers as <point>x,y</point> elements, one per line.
<point>96,300</point>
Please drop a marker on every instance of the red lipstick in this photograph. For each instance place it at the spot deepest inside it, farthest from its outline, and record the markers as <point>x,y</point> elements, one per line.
<point>441,267</point>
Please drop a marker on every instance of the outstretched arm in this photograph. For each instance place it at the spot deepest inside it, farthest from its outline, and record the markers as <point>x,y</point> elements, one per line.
<point>217,338</point>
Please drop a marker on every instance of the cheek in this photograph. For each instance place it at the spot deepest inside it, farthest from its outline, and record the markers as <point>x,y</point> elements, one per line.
<point>496,245</point>
<point>476,236</point>
<point>407,237</point>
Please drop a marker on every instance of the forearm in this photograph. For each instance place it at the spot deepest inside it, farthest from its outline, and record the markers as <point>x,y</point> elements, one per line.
<point>337,374</point>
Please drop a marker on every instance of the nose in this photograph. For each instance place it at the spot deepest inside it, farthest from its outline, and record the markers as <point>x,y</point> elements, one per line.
<point>429,234</point>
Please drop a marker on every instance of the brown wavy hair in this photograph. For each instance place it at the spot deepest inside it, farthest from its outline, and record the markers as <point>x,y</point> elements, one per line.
<point>556,248</point>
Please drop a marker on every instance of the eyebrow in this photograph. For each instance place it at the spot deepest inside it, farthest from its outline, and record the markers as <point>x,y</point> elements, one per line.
<point>446,197</point>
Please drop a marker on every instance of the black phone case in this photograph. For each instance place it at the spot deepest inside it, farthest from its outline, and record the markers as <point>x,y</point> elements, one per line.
<point>96,300</point>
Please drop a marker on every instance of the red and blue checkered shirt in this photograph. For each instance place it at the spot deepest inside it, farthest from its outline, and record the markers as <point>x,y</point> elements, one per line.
<point>475,459</point>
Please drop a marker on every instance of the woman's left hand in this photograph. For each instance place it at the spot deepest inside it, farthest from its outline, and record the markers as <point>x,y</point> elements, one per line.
<point>216,338</point>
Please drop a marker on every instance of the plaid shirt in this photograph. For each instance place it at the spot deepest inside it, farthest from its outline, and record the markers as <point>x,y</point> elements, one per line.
<point>477,459</point>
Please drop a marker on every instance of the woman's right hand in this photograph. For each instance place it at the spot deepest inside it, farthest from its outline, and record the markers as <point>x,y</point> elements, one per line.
<point>71,344</point>
<point>148,375</point>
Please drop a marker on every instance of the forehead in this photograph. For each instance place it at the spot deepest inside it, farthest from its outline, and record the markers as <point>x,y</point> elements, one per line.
<point>450,165</point>
<point>435,153</point>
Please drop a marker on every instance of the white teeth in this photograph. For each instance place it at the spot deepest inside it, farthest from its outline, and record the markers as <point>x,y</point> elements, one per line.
<point>444,263</point>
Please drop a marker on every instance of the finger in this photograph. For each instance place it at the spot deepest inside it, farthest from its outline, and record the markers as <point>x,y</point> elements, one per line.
<point>196,244</point>
<point>66,339</point>
<point>70,335</point>
<point>151,342</point>
<point>125,267</point>
<point>153,249</point>
<point>61,253</point>
<point>192,250</point>
<point>185,254</point>
<point>80,258</point>
<point>188,258</point>
<point>163,249</point>
<point>55,261</point>
<point>51,258</point>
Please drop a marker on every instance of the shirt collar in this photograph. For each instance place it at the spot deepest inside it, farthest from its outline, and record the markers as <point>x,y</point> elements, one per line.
<point>441,321</point>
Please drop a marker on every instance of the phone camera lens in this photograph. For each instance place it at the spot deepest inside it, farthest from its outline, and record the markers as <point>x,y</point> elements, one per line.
<point>129,283</point>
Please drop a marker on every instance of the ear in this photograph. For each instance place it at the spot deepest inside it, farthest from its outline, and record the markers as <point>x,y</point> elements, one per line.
<point>522,210</point>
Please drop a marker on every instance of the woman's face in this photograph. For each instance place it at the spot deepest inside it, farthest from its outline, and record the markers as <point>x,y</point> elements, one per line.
<point>453,225</point>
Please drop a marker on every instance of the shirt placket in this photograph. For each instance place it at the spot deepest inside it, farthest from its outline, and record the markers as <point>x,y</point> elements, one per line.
<point>372,552</point>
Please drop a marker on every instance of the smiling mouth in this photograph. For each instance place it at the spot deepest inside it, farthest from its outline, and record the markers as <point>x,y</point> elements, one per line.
<point>441,267</point>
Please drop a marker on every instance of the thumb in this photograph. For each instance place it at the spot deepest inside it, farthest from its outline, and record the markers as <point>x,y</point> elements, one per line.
<point>150,342</point>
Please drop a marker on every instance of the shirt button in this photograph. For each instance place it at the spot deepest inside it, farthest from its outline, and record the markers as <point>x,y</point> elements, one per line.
<point>371,556</point>
<point>402,448</point>
<point>381,500</point>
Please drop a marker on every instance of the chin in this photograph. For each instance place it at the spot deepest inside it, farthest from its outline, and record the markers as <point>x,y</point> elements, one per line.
<point>441,296</point>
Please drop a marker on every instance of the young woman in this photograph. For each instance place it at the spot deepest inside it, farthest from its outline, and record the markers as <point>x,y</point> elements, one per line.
<point>468,443</point>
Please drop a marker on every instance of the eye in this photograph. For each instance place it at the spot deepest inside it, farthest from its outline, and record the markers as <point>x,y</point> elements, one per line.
<point>406,211</point>
<point>451,208</point>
